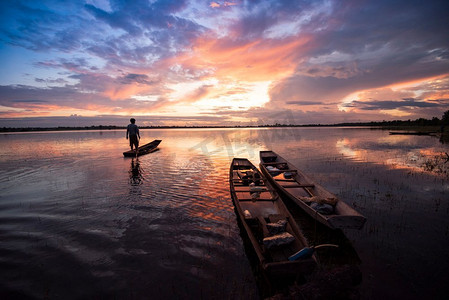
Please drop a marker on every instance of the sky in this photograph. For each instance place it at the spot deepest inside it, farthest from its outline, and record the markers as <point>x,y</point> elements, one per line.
<point>236,62</point>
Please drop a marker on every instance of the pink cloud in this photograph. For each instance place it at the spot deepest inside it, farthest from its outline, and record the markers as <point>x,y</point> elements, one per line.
<point>225,4</point>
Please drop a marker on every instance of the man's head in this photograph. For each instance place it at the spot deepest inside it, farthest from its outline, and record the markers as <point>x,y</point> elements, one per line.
<point>132,120</point>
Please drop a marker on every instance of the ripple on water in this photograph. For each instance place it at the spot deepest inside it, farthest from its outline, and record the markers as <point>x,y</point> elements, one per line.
<point>164,224</point>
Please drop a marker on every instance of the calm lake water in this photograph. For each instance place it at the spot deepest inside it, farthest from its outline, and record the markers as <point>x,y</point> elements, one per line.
<point>77,220</point>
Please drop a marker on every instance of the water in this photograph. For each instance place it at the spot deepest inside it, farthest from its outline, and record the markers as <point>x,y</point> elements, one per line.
<point>77,220</point>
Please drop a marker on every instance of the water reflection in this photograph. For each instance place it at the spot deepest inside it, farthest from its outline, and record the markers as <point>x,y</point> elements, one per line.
<point>70,201</point>
<point>444,138</point>
<point>135,172</point>
<point>344,147</point>
<point>243,143</point>
<point>397,152</point>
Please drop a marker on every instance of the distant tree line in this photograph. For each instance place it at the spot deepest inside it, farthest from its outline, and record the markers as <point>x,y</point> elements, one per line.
<point>60,128</point>
<point>418,122</point>
<point>435,121</point>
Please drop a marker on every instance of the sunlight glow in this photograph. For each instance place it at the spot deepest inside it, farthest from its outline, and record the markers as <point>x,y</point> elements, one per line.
<point>344,147</point>
<point>343,106</point>
<point>145,97</point>
<point>253,94</point>
<point>194,61</point>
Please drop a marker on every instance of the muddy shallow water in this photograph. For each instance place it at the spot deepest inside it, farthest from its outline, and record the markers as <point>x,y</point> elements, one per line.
<point>78,220</point>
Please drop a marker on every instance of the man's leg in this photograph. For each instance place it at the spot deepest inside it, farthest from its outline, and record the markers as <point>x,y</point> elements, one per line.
<point>134,142</point>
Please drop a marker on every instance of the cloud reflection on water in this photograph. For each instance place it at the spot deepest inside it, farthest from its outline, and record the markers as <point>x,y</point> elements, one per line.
<point>398,152</point>
<point>72,197</point>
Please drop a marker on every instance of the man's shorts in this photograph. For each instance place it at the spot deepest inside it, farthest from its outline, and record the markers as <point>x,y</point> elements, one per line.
<point>133,140</point>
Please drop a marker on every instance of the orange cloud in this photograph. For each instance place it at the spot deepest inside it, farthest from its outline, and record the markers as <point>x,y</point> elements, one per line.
<point>424,90</point>
<point>259,60</point>
<point>124,91</point>
<point>433,81</point>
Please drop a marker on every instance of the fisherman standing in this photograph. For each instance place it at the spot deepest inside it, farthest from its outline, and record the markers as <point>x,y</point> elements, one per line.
<point>133,132</point>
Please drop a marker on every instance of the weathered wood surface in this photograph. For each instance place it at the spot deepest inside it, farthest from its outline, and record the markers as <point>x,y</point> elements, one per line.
<point>299,188</point>
<point>260,211</point>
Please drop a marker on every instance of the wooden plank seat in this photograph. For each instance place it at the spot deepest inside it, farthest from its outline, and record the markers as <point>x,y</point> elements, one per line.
<point>277,253</point>
<point>285,250</point>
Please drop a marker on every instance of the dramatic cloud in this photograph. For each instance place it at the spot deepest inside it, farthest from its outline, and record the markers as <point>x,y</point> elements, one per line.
<point>410,103</point>
<point>223,61</point>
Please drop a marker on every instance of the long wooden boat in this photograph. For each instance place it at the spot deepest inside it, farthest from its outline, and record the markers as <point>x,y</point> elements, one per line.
<point>274,234</point>
<point>145,149</point>
<point>319,203</point>
<point>413,132</point>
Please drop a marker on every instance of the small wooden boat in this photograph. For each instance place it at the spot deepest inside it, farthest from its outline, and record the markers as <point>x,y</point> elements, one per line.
<point>319,203</point>
<point>274,234</point>
<point>413,132</point>
<point>145,149</point>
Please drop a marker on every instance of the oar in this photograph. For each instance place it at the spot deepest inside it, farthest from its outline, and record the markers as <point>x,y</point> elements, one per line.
<point>307,252</point>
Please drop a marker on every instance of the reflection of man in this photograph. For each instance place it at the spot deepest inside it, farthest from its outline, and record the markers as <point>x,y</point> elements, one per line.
<point>135,173</point>
<point>133,132</point>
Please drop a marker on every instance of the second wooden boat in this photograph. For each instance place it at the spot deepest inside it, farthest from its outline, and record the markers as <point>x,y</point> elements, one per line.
<point>274,234</point>
<point>145,149</point>
<point>413,132</point>
<point>319,203</point>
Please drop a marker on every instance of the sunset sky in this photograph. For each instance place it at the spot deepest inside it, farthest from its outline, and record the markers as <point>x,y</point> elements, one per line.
<point>174,62</point>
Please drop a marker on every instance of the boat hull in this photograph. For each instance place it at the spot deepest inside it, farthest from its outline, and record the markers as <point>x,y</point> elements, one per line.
<point>298,186</point>
<point>253,215</point>
<point>144,149</point>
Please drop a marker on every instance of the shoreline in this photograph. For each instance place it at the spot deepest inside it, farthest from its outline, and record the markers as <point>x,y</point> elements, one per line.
<point>372,125</point>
